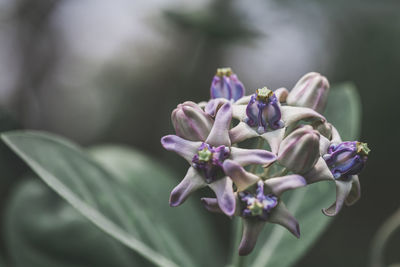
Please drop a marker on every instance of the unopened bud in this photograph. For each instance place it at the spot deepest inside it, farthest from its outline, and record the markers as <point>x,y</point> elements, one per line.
<point>191,122</point>
<point>299,151</point>
<point>310,91</point>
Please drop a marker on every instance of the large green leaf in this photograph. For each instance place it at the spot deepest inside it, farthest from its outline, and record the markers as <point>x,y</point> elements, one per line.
<point>276,246</point>
<point>43,230</point>
<point>344,110</point>
<point>128,204</point>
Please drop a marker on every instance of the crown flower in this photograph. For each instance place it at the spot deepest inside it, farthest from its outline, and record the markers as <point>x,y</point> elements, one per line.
<point>301,148</point>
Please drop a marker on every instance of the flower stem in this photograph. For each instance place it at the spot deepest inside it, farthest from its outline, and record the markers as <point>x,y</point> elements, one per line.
<point>381,238</point>
<point>260,144</point>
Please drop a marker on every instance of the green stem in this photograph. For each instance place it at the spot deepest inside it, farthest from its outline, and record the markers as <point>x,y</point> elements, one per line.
<point>260,144</point>
<point>381,238</point>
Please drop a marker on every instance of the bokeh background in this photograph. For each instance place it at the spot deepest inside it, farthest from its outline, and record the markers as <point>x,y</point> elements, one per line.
<point>99,71</point>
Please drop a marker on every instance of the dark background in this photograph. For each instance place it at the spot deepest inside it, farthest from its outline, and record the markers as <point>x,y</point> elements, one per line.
<point>112,71</point>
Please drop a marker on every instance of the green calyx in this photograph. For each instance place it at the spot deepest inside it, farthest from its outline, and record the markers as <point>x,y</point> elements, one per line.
<point>264,94</point>
<point>224,72</point>
<point>204,154</point>
<point>363,149</point>
<point>256,208</point>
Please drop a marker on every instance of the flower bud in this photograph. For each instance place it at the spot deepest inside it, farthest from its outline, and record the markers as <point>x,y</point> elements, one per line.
<point>191,122</point>
<point>310,91</point>
<point>226,84</point>
<point>346,158</point>
<point>299,151</point>
<point>263,111</point>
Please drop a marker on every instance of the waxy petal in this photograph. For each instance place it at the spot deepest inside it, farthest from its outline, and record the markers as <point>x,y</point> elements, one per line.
<point>225,196</point>
<point>336,139</point>
<point>239,175</point>
<point>281,94</point>
<point>241,132</point>
<point>219,134</point>
<point>324,144</point>
<point>279,185</point>
<point>355,192</point>
<point>274,139</point>
<point>192,181</point>
<point>214,105</point>
<point>342,191</point>
<point>184,148</point>
<point>236,87</point>
<point>211,204</point>
<point>294,114</point>
<point>244,100</point>
<point>251,230</point>
<point>281,215</point>
<point>220,88</point>
<point>246,157</point>
<point>320,172</point>
<point>239,112</point>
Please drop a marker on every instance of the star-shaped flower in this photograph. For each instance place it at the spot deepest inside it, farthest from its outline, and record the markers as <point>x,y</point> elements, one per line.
<point>207,162</point>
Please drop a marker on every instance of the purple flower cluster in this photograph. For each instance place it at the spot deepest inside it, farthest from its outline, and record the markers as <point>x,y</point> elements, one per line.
<point>297,147</point>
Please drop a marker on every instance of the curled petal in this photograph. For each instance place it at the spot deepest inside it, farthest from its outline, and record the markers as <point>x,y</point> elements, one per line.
<point>320,172</point>
<point>211,204</point>
<point>355,191</point>
<point>241,132</point>
<point>251,230</point>
<point>342,191</point>
<point>184,148</point>
<point>279,185</point>
<point>324,144</point>
<point>281,94</point>
<point>192,181</point>
<point>224,191</point>
<point>219,134</point>
<point>294,114</point>
<point>274,139</point>
<point>220,88</point>
<point>336,139</point>
<point>239,175</point>
<point>237,87</point>
<point>214,105</point>
<point>281,215</point>
<point>244,100</point>
<point>246,157</point>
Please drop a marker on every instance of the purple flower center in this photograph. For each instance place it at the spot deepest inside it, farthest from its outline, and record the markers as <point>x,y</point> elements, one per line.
<point>258,205</point>
<point>346,158</point>
<point>263,111</point>
<point>209,161</point>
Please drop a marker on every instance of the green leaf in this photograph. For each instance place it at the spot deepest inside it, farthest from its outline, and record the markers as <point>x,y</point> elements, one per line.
<point>276,246</point>
<point>344,110</point>
<point>131,204</point>
<point>43,230</point>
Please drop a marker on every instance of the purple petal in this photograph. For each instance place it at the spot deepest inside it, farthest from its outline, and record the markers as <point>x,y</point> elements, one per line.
<point>355,191</point>
<point>240,177</point>
<point>213,105</point>
<point>225,196</point>
<point>342,191</point>
<point>320,172</point>
<point>192,181</point>
<point>219,134</point>
<point>251,230</point>
<point>211,204</point>
<point>219,88</point>
<point>246,157</point>
<point>294,114</point>
<point>279,185</point>
<point>274,139</point>
<point>237,88</point>
<point>184,148</point>
<point>281,215</point>
<point>281,94</point>
<point>241,132</point>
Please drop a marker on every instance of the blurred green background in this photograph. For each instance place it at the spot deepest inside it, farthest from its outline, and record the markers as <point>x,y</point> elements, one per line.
<point>99,71</point>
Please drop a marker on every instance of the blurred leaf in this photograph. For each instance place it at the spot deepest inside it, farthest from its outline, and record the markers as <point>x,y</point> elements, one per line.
<point>344,110</point>
<point>43,230</point>
<point>276,246</point>
<point>121,203</point>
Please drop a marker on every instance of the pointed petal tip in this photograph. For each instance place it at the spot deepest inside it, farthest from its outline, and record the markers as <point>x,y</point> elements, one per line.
<point>328,213</point>
<point>175,199</point>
